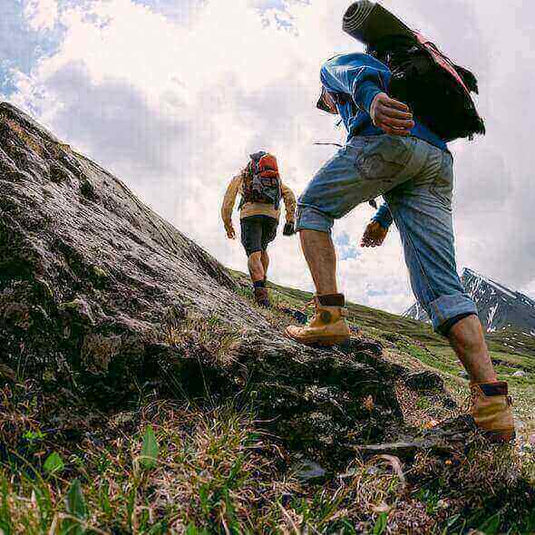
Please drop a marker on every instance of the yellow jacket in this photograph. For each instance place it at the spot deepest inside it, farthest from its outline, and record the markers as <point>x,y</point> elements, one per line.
<point>255,208</point>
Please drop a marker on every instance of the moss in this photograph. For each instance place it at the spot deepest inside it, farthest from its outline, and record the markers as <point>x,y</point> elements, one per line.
<point>99,272</point>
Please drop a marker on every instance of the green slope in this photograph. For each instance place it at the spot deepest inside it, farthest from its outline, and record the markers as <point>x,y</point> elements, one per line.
<point>408,340</point>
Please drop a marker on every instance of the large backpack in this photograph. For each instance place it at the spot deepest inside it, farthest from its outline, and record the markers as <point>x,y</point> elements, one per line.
<point>261,181</point>
<point>437,91</point>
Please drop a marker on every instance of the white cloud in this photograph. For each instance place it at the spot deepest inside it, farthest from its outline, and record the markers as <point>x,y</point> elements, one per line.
<point>41,14</point>
<point>174,105</point>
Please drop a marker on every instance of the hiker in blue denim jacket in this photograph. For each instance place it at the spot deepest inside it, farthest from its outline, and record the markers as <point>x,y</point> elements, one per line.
<point>388,153</point>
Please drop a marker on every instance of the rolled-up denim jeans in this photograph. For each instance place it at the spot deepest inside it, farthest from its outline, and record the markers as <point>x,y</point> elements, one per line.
<point>416,179</point>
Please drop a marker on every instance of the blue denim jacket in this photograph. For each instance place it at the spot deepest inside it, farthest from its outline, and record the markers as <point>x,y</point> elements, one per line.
<point>362,77</point>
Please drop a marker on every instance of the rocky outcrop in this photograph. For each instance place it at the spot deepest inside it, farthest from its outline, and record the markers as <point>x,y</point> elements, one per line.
<point>100,297</point>
<point>87,272</point>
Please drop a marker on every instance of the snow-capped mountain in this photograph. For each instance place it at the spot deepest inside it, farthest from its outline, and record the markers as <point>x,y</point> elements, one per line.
<point>499,307</point>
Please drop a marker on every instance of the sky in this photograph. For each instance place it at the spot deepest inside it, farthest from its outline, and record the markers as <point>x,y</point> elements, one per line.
<point>173,95</point>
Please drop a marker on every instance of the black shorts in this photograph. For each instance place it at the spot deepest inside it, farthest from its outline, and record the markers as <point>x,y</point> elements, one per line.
<point>257,231</point>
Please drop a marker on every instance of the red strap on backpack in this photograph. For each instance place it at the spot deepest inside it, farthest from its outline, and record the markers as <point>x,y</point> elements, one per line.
<point>441,59</point>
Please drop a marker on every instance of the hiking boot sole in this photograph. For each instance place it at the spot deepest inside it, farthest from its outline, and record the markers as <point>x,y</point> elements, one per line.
<point>320,341</point>
<point>499,437</point>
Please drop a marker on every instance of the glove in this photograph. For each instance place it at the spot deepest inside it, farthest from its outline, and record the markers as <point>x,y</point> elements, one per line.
<point>289,229</point>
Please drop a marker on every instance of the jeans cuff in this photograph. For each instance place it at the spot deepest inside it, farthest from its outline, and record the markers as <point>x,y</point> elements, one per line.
<point>310,218</point>
<point>447,307</point>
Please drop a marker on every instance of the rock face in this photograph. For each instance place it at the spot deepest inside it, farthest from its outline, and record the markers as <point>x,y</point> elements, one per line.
<point>100,297</point>
<point>499,307</point>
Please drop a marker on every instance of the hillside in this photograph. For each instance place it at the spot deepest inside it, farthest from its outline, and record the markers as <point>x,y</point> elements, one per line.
<point>102,296</point>
<point>513,353</point>
<point>143,391</point>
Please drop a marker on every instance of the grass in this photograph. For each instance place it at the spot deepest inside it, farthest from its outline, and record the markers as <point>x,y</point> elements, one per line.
<point>195,332</point>
<point>213,470</point>
<point>166,467</point>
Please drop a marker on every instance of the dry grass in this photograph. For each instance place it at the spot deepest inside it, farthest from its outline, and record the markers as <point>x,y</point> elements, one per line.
<point>195,334</point>
<point>216,472</point>
<point>19,412</point>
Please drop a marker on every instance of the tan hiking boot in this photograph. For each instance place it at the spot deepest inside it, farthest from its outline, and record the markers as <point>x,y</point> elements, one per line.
<point>491,410</point>
<point>261,297</point>
<point>328,326</point>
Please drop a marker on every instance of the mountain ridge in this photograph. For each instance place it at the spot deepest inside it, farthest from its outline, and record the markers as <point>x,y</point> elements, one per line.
<point>500,308</point>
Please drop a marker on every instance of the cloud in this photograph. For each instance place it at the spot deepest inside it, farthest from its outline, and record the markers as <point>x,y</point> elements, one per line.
<point>41,14</point>
<point>173,96</point>
<point>179,11</point>
<point>119,124</point>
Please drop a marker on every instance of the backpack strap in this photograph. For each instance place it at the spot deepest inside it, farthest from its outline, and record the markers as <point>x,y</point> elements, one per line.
<point>441,60</point>
<point>246,173</point>
<point>468,78</point>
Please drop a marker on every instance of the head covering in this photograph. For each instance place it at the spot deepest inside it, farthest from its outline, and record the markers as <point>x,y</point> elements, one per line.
<point>257,155</point>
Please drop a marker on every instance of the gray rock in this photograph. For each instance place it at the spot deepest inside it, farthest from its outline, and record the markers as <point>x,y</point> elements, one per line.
<point>102,295</point>
<point>424,380</point>
<point>449,436</point>
<point>308,471</point>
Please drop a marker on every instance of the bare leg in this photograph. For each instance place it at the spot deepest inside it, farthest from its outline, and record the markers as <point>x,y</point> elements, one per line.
<point>320,255</point>
<point>256,269</point>
<point>327,327</point>
<point>265,262</point>
<point>466,338</point>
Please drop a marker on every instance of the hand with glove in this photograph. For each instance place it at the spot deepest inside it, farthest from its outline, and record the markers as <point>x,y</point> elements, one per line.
<point>289,229</point>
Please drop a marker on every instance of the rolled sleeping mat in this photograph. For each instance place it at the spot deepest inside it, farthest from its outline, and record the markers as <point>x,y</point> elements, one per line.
<point>370,23</point>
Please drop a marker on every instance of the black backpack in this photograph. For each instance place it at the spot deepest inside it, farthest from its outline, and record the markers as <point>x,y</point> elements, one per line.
<point>437,91</point>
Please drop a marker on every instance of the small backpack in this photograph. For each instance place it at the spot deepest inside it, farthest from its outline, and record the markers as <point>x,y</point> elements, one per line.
<point>261,181</point>
<point>437,91</point>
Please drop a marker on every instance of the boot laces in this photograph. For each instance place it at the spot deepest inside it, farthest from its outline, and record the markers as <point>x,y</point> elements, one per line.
<point>471,399</point>
<point>308,305</point>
